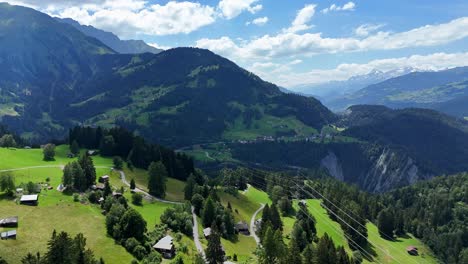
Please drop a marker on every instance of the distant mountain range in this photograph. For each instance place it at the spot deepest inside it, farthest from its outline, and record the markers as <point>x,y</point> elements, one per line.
<point>332,90</point>
<point>111,40</point>
<point>445,90</point>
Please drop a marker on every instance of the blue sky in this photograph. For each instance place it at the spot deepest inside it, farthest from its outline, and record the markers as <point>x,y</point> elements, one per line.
<point>293,43</point>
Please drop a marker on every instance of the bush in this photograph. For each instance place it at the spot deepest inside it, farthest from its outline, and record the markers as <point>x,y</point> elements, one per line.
<point>153,258</point>
<point>76,197</point>
<point>139,252</point>
<point>131,244</point>
<point>137,199</point>
<point>93,197</point>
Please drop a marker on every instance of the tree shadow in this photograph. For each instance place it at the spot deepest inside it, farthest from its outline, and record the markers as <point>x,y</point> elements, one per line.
<point>7,197</point>
<point>370,253</point>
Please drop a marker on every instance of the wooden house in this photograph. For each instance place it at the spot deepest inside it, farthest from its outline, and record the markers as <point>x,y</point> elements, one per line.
<point>166,247</point>
<point>32,199</point>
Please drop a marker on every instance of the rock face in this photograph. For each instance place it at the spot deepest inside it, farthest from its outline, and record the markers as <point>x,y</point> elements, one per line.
<point>331,163</point>
<point>387,171</point>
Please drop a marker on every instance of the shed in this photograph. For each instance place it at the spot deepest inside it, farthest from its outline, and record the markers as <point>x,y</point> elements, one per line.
<point>31,199</point>
<point>9,222</point>
<point>104,178</point>
<point>8,235</point>
<point>92,152</point>
<point>242,228</point>
<point>207,232</point>
<point>412,250</point>
<point>165,246</point>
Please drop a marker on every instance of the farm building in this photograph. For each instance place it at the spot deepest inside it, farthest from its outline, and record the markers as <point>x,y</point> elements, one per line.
<point>166,247</point>
<point>242,228</point>
<point>104,179</point>
<point>207,232</point>
<point>9,222</point>
<point>31,199</point>
<point>412,250</point>
<point>92,152</point>
<point>8,235</point>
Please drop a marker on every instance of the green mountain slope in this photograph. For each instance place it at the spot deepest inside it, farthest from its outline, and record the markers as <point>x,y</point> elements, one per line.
<point>53,77</point>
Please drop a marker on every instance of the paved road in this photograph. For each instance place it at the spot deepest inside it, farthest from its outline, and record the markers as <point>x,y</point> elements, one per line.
<point>252,225</point>
<point>196,237</point>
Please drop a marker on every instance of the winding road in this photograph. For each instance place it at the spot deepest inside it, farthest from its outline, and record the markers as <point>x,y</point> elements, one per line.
<point>252,224</point>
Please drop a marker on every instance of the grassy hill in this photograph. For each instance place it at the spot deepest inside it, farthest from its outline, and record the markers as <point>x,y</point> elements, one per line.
<point>60,212</point>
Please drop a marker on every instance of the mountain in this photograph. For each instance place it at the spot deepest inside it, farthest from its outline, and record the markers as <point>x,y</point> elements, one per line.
<point>53,77</point>
<point>417,89</point>
<point>111,40</point>
<point>330,91</point>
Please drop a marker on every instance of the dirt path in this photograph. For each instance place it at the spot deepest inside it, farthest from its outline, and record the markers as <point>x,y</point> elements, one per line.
<point>196,237</point>
<point>252,225</point>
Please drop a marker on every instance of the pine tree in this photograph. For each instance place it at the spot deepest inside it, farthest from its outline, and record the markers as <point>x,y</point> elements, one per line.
<point>214,251</point>
<point>79,180</point>
<point>67,176</point>
<point>308,255</point>
<point>60,249</point>
<point>326,252</point>
<point>157,179</point>
<point>189,188</point>
<point>209,212</point>
<point>385,223</point>
<point>107,189</point>
<point>342,257</point>
<point>132,184</point>
<point>294,253</point>
<point>74,148</point>
<point>89,170</point>
<point>275,218</point>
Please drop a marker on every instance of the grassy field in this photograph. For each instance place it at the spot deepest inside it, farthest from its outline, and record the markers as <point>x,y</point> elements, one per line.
<point>58,211</point>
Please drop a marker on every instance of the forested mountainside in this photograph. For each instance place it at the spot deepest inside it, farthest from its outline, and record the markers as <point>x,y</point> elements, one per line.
<point>181,96</point>
<point>417,89</point>
<point>112,41</point>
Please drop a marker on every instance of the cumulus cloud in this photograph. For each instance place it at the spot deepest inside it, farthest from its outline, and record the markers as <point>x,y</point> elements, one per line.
<point>127,18</point>
<point>350,6</point>
<point>303,17</point>
<point>232,8</point>
<point>365,29</point>
<point>431,62</point>
<point>287,44</point>
<point>258,21</point>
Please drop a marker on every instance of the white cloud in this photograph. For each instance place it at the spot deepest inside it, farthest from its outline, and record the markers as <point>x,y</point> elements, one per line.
<point>286,44</point>
<point>350,6</point>
<point>258,21</point>
<point>156,45</point>
<point>303,17</point>
<point>365,29</point>
<point>232,8</point>
<point>128,18</point>
<point>433,62</point>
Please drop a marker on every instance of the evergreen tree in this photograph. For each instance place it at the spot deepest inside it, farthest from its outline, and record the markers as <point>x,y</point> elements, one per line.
<point>275,218</point>
<point>89,170</point>
<point>342,257</point>
<point>74,148</point>
<point>214,251</point>
<point>326,252</point>
<point>67,178</point>
<point>118,162</point>
<point>79,180</point>
<point>385,223</point>
<point>299,235</point>
<point>157,179</point>
<point>197,202</point>
<point>107,189</point>
<point>209,212</point>
<point>294,253</point>
<point>107,145</point>
<point>189,188</point>
<point>60,249</point>
<point>7,183</point>
<point>132,184</point>
<point>30,259</point>
<point>308,255</point>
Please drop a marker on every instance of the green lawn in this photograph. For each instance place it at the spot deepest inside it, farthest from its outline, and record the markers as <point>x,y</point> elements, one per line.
<point>244,206</point>
<point>174,191</point>
<point>257,196</point>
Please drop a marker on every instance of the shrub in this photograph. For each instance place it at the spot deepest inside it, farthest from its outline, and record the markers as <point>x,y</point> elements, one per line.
<point>76,197</point>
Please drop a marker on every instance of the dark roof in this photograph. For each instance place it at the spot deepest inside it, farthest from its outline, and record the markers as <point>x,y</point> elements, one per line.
<point>242,225</point>
<point>9,220</point>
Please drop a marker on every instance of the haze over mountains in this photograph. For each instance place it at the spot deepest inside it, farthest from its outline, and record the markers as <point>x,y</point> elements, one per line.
<point>53,77</point>
<point>111,40</point>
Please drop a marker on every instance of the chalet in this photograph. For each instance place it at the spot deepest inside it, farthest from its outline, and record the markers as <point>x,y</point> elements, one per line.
<point>207,232</point>
<point>92,152</point>
<point>98,186</point>
<point>412,250</point>
<point>117,194</point>
<point>31,199</point>
<point>165,246</point>
<point>8,235</point>
<point>19,190</point>
<point>242,228</point>
<point>9,222</point>
<point>104,179</point>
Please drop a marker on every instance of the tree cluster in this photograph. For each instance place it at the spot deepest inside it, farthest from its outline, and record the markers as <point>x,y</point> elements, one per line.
<point>79,175</point>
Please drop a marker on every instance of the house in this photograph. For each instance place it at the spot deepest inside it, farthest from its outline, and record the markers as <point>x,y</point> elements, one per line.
<point>19,190</point>
<point>165,246</point>
<point>242,228</point>
<point>104,179</point>
<point>207,232</point>
<point>9,222</point>
<point>117,194</point>
<point>98,186</point>
<point>412,250</point>
<point>8,235</point>
<point>31,199</point>
<point>92,152</point>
